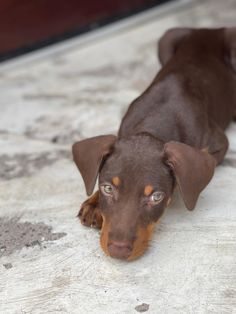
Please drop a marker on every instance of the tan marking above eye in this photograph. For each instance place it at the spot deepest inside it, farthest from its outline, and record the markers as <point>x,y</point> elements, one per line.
<point>116,181</point>
<point>148,190</point>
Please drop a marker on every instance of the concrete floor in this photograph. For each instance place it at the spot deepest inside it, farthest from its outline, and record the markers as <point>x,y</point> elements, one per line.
<point>49,263</point>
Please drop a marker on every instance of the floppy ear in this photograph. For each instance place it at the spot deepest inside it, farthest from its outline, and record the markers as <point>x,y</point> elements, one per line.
<point>169,42</point>
<point>230,44</point>
<point>193,169</point>
<point>88,155</point>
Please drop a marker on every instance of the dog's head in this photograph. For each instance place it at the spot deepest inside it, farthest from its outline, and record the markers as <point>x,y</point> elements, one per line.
<point>136,180</point>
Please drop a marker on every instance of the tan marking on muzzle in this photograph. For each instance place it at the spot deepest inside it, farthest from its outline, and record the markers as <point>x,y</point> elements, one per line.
<point>104,235</point>
<point>116,181</point>
<point>141,243</point>
<point>148,190</point>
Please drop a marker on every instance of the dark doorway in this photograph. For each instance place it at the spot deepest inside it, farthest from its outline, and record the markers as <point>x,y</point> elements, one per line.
<point>26,25</point>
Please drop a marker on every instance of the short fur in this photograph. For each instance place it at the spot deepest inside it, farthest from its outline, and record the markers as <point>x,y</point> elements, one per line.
<point>173,134</point>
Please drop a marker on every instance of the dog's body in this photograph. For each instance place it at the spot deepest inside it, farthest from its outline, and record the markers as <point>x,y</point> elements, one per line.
<point>193,97</point>
<point>172,134</point>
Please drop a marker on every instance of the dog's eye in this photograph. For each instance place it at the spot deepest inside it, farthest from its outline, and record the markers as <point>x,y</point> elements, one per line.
<point>157,197</point>
<point>107,189</point>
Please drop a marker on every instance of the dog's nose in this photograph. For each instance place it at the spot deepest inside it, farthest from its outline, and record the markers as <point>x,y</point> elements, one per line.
<point>120,249</point>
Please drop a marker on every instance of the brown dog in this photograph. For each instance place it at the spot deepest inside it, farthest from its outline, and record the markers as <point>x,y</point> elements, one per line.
<point>172,134</point>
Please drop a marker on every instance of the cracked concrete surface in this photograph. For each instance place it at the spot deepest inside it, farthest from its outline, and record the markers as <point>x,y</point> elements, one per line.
<point>15,235</point>
<point>58,266</point>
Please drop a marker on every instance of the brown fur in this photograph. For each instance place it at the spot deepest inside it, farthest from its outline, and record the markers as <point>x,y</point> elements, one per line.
<point>162,140</point>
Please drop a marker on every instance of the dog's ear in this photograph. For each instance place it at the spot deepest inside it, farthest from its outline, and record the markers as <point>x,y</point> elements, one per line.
<point>193,169</point>
<point>169,42</point>
<point>230,45</point>
<point>88,156</point>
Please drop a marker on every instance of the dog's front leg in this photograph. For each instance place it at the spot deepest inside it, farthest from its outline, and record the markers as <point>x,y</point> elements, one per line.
<point>89,213</point>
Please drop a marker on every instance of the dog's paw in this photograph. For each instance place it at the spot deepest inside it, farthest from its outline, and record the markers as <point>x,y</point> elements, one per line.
<point>90,216</point>
<point>89,213</point>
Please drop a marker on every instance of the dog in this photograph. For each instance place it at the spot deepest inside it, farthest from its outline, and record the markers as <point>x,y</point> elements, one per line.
<point>171,135</point>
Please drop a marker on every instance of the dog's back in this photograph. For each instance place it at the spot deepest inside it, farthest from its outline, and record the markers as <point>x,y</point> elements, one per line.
<point>195,89</point>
